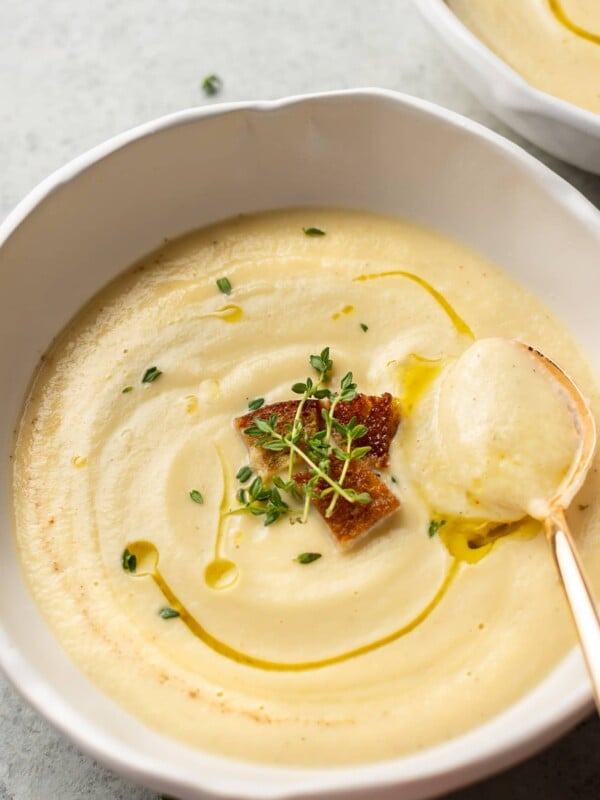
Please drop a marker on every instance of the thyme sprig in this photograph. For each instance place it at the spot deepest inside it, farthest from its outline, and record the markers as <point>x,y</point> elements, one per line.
<point>316,449</point>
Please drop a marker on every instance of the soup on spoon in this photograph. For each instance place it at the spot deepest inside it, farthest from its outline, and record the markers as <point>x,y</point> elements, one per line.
<point>478,443</point>
<point>479,448</point>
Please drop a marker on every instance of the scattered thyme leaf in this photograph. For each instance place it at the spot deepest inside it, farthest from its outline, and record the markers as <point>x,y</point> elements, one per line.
<point>254,405</point>
<point>394,479</point>
<point>313,231</point>
<point>224,285</point>
<point>168,613</point>
<point>244,474</point>
<point>196,497</point>
<point>127,389</point>
<point>364,327</point>
<point>212,85</point>
<point>151,374</point>
<point>434,526</point>
<point>307,558</point>
<point>128,561</point>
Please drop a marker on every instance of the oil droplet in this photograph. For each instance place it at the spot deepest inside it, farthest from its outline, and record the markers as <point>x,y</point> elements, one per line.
<point>79,461</point>
<point>416,375</point>
<point>228,313</point>
<point>345,310</point>
<point>191,405</point>
<point>220,574</point>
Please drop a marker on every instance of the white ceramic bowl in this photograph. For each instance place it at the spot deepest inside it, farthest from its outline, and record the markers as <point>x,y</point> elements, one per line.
<point>559,127</point>
<point>368,149</point>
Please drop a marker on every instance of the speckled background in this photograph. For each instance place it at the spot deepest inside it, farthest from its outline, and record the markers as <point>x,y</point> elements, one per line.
<point>75,72</point>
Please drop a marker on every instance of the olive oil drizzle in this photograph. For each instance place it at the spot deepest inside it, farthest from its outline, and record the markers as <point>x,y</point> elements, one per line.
<point>561,15</point>
<point>221,573</point>
<point>147,560</point>
<point>458,322</point>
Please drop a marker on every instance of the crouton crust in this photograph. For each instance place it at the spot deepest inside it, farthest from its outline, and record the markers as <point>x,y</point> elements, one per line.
<point>267,462</point>
<point>381,415</point>
<point>350,521</point>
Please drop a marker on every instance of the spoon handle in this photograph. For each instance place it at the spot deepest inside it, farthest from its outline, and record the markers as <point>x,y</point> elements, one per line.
<point>581,602</point>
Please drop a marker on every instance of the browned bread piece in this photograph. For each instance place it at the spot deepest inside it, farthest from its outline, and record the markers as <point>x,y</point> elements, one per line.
<point>350,521</point>
<point>381,415</point>
<point>268,462</point>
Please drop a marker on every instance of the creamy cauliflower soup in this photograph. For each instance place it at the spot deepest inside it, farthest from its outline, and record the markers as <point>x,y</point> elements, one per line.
<point>554,44</point>
<point>272,487</point>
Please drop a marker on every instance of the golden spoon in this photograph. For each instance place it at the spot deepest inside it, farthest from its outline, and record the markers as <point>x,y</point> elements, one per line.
<point>575,584</point>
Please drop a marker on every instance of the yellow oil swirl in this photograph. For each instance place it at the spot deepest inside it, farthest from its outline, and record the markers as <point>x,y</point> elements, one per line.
<point>561,15</point>
<point>458,322</point>
<point>346,311</point>
<point>221,573</point>
<point>416,375</point>
<point>467,541</point>
<point>147,566</point>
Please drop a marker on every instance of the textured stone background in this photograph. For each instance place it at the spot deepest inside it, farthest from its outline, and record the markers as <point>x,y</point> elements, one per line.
<point>75,72</point>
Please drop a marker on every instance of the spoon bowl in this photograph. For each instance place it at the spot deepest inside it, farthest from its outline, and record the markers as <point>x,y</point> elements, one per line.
<point>586,428</point>
<point>552,514</point>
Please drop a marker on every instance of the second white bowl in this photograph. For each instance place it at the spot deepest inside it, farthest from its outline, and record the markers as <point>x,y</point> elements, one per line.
<point>559,127</point>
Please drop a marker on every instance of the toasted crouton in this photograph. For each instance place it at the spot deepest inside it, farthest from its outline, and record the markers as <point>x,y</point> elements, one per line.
<point>381,415</point>
<point>351,521</point>
<point>268,462</point>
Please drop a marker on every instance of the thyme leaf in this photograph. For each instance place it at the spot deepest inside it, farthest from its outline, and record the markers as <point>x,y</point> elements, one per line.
<point>307,558</point>
<point>151,374</point>
<point>434,526</point>
<point>168,613</point>
<point>244,474</point>
<point>212,85</point>
<point>224,285</point>
<point>128,561</point>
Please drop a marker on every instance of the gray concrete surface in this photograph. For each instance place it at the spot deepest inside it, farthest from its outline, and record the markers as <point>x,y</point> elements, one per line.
<point>75,72</point>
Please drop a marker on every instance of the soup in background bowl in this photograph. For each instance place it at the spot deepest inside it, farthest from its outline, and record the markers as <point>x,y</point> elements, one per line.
<point>554,44</point>
<point>534,64</point>
<point>127,448</point>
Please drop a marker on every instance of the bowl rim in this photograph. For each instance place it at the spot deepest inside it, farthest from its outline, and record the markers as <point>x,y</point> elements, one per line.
<point>276,782</point>
<point>525,97</point>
